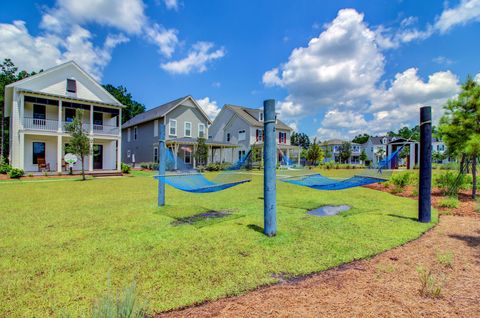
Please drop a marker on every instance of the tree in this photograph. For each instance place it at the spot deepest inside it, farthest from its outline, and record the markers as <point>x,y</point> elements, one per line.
<point>363,156</point>
<point>300,139</point>
<point>132,107</point>
<point>201,155</point>
<point>407,133</point>
<point>79,143</point>
<point>8,75</point>
<point>380,153</point>
<point>438,156</point>
<point>361,139</point>
<point>345,151</point>
<point>327,150</point>
<point>315,153</point>
<point>460,127</point>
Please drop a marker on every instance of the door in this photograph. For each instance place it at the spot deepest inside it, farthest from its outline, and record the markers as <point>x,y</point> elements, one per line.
<point>97,157</point>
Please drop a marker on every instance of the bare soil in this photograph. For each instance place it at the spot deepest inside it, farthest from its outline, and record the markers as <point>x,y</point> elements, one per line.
<point>387,285</point>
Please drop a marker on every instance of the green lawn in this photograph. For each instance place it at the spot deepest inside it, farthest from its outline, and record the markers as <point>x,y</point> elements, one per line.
<point>63,243</point>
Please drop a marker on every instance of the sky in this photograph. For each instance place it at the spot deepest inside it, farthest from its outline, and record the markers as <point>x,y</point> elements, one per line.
<point>335,68</point>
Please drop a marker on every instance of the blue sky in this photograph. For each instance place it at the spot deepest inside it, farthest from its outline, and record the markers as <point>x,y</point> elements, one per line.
<point>337,68</point>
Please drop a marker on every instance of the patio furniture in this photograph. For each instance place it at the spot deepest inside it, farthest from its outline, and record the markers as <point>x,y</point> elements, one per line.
<point>43,165</point>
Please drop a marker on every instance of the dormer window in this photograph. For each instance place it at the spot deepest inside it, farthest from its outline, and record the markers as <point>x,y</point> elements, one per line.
<point>384,141</point>
<point>71,85</point>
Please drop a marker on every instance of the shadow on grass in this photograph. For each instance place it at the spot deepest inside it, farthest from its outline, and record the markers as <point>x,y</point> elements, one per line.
<point>256,228</point>
<point>403,217</point>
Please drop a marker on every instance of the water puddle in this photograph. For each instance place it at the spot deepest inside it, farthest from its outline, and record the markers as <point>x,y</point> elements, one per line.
<point>329,210</point>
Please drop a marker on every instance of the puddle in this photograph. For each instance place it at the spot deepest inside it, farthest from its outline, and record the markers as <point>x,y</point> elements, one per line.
<point>201,217</point>
<point>329,210</point>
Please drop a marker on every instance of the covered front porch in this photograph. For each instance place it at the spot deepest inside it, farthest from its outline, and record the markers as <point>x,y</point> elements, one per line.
<point>45,154</point>
<point>286,154</point>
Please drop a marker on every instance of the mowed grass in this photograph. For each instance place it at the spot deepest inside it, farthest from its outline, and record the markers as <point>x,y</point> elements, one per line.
<point>64,243</point>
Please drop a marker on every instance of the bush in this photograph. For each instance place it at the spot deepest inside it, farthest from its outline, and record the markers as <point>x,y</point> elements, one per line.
<point>451,203</point>
<point>450,183</point>
<point>401,180</point>
<point>5,168</point>
<point>150,166</point>
<point>15,173</point>
<point>125,168</point>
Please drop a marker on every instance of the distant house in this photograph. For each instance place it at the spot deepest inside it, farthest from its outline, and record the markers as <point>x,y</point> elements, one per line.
<point>243,127</point>
<point>376,148</point>
<point>185,122</point>
<point>334,146</point>
<point>41,105</point>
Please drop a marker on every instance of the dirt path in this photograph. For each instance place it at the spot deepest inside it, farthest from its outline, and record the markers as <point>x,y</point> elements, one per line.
<point>387,285</point>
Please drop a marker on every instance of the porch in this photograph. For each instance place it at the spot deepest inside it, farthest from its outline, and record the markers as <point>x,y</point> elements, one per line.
<point>286,154</point>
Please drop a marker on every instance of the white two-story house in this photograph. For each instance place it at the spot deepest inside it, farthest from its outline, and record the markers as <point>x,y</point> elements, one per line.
<point>333,148</point>
<point>38,108</point>
<point>243,126</point>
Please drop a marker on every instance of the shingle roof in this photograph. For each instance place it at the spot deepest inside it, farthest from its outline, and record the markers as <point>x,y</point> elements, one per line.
<point>336,142</point>
<point>153,113</point>
<point>377,140</point>
<point>251,115</point>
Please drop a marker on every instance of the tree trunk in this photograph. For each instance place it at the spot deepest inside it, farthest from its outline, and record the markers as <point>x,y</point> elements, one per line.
<point>83,169</point>
<point>462,163</point>
<point>474,176</point>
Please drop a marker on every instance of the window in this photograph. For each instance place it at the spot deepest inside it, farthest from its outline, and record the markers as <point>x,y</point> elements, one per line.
<point>261,116</point>
<point>39,115</point>
<point>201,130</point>
<point>241,154</point>
<point>69,114</point>
<point>188,129</point>
<point>155,128</point>
<point>135,133</point>
<point>97,119</point>
<point>187,156</point>
<point>259,135</point>
<point>172,124</point>
<point>228,137</point>
<point>129,133</point>
<point>155,154</point>
<point>38,152</point>
<point>71,85</point>
<point>282,137</point>
<point>129,153</point>
<point>241,135</point>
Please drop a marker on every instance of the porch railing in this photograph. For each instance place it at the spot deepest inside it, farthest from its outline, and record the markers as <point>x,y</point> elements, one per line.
<point>40,124</point>
<point>105,130</point>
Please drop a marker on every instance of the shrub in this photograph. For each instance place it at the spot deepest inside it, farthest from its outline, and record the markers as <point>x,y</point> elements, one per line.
<point>119,306</point>
<point>451,203</point>
<point>401,180</point>
<point>429,284</point>
<point>445,258</point>
<point>4,166</point>
<point>15,173</point>
<point>125,168</point>
<point>450,183</point>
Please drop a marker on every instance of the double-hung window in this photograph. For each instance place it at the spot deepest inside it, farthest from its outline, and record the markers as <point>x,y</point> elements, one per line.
<point>172,127</point>
<point>135,133</point>
<point>188,129</point>
<point>228,137</point>
<point>155,154</point>
<point>241,135</point>
<point>259,135</point>
<point>201,130</point>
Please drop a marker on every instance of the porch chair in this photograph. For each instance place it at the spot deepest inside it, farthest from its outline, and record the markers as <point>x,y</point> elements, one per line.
<point>42,165</point>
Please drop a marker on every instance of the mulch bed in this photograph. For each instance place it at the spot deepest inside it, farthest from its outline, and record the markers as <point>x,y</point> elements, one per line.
<point>387,285</point>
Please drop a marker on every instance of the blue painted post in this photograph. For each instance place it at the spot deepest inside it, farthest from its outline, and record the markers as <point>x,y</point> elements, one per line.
<point>269,154</point>
<point>425,187</point>
<point>162,155</point>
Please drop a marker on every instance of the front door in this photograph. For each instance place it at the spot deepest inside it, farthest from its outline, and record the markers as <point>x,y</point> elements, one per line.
<point>97,157</point>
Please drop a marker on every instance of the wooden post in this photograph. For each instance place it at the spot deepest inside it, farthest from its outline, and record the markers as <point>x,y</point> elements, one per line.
<point>425,187</point>
<point>269,191</point>
<point>162,154</point>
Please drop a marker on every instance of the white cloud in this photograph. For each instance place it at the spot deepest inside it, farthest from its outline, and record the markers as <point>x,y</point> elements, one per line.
<point>171,4</point>
<point>442,60</point>
<point>477,77</point>
<point>467,11</point>
<point>196,61</point>
<point>166,40</point>
<point>209,107</point>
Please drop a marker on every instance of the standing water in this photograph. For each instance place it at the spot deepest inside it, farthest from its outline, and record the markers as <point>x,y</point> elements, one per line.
<point>329,210</point>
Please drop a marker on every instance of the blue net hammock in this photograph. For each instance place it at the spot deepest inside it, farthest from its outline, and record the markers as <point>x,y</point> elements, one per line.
<point>375,174</point>
<point>194,182</point>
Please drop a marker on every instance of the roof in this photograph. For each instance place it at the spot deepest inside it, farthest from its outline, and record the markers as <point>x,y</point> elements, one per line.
<point>251,116</point>
<point>336,142</point>
<point>192,141</point>
<point>60,66</point>
<point>65,98</point>
<point>377,140</point>
<point>160,111</point>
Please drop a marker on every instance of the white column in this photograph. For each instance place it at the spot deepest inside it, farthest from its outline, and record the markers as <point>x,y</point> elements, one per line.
<point>91,120</point>
<point>22,110</point>
<point>389,152</point>
<point>119,155</point>
<point>412,156</point>
<point>120,124</point>
<point>59,153</point>
<point>60,121</point>
<point>175,148</point>
<point>194,159</point>
<point>90,156</point>
<point>21,162</point>
<point>221,154</point>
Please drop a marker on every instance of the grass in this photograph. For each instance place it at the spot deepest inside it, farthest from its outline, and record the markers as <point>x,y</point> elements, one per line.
<point>63,243</point>
<point>449,202</point>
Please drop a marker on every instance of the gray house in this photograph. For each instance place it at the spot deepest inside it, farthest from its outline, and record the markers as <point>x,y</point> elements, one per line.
<point>334,146</point>
<point>376,148</point>
<point>185,122</point>
<point>243,127</point>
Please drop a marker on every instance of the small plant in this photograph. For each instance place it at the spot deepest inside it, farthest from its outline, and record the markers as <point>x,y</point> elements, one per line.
<point>30,175</point>
<point>125,305</point>
<point>450,202</point>
<point>429,284</point>
<point>125,168</point>
<point>45,173</point>
<point>15,173</point>
<point>401,180</point>
<point>4,166</point>
<point>450,183</point>
<point>445,258</point>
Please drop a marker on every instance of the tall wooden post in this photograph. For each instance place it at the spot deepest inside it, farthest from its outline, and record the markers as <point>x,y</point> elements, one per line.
<point>161,165</point>
<point>269,192</point>
<point>425,187</point>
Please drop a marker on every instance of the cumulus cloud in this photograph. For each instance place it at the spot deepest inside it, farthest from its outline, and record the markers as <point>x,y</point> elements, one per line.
<point>196,60</point>
<point>171,4</point>
<point>166,40</point>
<point>339,73</point>
<point>465,12</point>
<point>210,107</point>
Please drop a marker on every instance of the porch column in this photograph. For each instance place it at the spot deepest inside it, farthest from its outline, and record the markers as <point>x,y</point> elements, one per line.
<point>233,151</point>
<point>22,151</point>
<point>175,149</point>
<point>60,128</point>
<point>90,156</point>
<point>389,151</point>
<point>91,120</point>
<point>22,110</point>
<point>221,154</point>
<point>412,156</point>
<point>59,154</point>
<point>194,157</point>
<point>119,124</point>
<point>119,155</point>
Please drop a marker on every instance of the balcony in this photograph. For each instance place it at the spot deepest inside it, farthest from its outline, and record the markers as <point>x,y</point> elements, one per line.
<point>52,126</point>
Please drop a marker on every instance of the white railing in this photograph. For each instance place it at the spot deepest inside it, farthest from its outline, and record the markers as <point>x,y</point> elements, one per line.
<point>40,124</point>
<point>105,130</point>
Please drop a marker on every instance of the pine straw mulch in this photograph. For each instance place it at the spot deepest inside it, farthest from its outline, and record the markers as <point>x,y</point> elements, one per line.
<point>387,285</point>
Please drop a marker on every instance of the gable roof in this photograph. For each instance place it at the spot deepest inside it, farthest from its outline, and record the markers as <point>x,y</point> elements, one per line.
<point>61,66</point>
<point>161,111</point>
<point>251,115</point>
<point>332,142</point>
<point>377,140</point>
